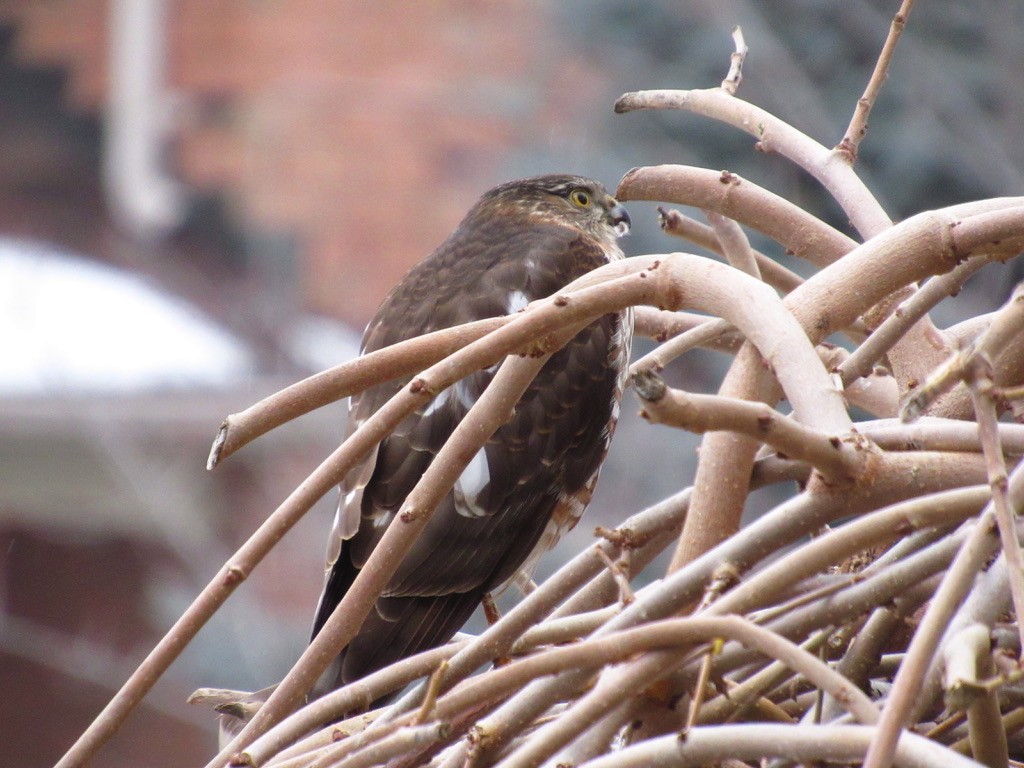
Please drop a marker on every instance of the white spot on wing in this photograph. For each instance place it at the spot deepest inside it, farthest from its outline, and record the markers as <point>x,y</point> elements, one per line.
<point>346,519</point>
<point>346,523</point>
<point>471,483</point>
<point>351,496</point>
<point>517,300</point>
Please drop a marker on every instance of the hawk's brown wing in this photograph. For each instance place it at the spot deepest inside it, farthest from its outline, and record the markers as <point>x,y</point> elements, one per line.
<point>551,449</point>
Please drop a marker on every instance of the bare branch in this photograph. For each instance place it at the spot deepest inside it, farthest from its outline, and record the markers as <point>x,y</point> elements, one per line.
<point>740,697</point>
<point>988,427</point>
<point>673,222</point>
<point>735,77</point>
<point>842,743</point>
<point>344,700</point>
<point>618,573</point>
<point>968,661</point>
<point>1008,323</point>
<point>661,325</point>
<point>734,242</point>
<point>975,551</point>
<point>740,200</point>
<point>882,339</point>
<point>547,740</point>
<point>700,336</point>
<point>859,123</point>
<point>329,386</point>
<point>839,460</point>
<point>775,135</point>
<point>934,434</point>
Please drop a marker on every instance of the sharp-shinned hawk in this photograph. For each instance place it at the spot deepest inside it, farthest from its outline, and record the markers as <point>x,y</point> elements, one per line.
<point>521,241</point>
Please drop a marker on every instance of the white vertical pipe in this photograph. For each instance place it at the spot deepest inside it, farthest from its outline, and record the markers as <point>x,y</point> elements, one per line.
<point>142,196</point>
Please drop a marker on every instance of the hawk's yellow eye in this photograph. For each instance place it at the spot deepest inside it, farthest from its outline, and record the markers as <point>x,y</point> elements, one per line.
<point>580,197</point>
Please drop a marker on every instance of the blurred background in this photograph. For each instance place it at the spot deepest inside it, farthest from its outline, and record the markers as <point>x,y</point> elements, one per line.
<point>202,201</point>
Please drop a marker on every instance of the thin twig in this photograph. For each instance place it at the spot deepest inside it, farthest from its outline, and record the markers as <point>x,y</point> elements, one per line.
<point>861,361</point>
<point>840,460</point>
<point>700,688</point>
<point>662,325</point>
<point>739,55</point>
<point>740,697</point>
<point>968,661</point>
<point>975,551</point>
<point>1011,722</point>
<point>702,335</point>
<point>673,222</point>
<point>626,595</point>
<point>401,741</point>
<point>985,409</point>
<point>931,433</point>
<point>430,699</point>
<point>1007,323</point>
<point>859,123</point>
<point>735,244</point>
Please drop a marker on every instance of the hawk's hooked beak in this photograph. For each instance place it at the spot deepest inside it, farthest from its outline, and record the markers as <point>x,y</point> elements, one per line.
<point>618,217</point>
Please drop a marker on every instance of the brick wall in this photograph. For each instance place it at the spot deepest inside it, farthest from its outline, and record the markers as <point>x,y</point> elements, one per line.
<point>361,130</point>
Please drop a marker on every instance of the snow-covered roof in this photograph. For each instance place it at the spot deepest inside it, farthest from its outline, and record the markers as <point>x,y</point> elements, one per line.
<point>68,324</point>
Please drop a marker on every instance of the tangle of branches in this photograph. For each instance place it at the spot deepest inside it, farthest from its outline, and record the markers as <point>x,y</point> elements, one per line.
<point>891,638</point>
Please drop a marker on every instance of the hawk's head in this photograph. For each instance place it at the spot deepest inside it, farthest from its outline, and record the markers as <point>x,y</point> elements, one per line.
<point>577,200</point>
